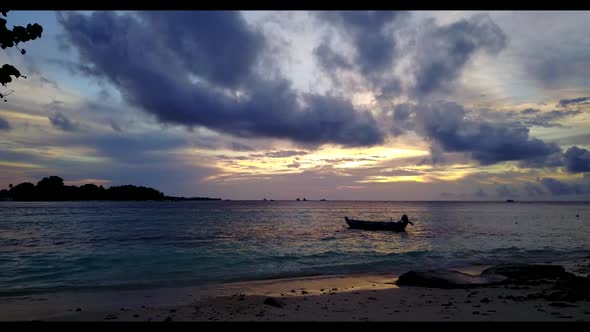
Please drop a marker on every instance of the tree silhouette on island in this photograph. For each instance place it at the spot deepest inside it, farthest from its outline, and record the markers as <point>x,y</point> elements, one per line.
<point>53,189</point>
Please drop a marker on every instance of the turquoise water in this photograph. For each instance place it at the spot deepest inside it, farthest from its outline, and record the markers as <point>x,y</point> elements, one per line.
<point>55,246</point>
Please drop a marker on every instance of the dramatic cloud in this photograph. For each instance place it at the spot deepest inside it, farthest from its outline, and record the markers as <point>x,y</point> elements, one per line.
<point>329,59</point>
<point>443,51</point>
<point>4,125</point>
<point>371,34</point>
<point>449,127</point>
<point>337,105</point>
<point>199,69</point>
<point>437,53</point>
<point>577,160</point>
<point>566,102</point>
<point>60,121</point>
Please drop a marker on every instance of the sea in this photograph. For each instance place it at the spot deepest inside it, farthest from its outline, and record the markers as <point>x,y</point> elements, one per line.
<point>48,247</point>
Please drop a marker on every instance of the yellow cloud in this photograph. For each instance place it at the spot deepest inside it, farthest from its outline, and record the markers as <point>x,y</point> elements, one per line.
<point>387,179</point>
<point>18,165</point>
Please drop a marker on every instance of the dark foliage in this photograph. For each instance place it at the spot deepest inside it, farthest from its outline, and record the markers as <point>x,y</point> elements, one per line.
<point>53,189</point>
<point>11,38</point>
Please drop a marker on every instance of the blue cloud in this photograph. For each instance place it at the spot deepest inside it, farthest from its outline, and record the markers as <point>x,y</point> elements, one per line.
<point>447,126</point>
<point>368,31</point>
<point>4,124</point>
<point>187,68</point>
<point>577,160</point>
<point>443,51</point>
<point>60,121</point>
<point>566,102</point>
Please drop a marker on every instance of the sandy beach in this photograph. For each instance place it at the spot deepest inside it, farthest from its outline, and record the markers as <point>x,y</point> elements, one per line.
<point>366,297</point>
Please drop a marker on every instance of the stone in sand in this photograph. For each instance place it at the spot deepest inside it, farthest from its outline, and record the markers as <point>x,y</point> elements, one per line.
<point>525,272</point>
<point>447,279</point>
<point>274,302</point>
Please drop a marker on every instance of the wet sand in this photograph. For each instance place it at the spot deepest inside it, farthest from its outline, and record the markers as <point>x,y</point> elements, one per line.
<point>366,297</point>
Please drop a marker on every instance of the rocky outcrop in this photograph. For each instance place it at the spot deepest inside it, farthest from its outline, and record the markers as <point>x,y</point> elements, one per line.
<point>565,286</point>
<point>524,273</point>
<point>448,279</point>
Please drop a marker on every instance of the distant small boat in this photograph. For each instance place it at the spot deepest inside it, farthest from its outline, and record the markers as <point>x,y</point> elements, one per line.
<point>396,226</point>
<point>323,199</point>
<point>509,201</point>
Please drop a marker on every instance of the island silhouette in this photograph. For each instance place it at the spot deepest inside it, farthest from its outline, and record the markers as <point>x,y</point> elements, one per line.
<point>52,188</point>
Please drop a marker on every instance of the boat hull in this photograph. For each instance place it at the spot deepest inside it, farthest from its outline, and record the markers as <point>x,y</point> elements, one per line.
<point>376,225</point>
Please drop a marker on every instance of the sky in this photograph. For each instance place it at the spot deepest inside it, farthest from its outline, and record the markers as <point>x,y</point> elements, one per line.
<point>447,105</point>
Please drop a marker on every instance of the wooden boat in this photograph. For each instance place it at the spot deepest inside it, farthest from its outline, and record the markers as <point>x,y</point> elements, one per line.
<point>395,226</point>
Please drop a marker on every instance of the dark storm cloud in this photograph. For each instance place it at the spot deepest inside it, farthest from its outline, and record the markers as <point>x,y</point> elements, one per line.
<point>443,51</point>
<point>187,67</point>
<point>449,128</point>
<point>559,188</point>
<point>438,52</point>
<point>60,121</point>
<point>4,125</point>
<point>329,59</point>
<point>577,160</point>
<point>371,34</point>
<point>216,45</point>
<point>565,102</point>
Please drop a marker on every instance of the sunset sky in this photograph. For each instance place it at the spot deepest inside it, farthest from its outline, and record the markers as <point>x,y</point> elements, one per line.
<point>279,105</point>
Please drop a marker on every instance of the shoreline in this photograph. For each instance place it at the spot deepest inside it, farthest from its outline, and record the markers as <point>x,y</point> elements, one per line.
<point>354,297</point>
